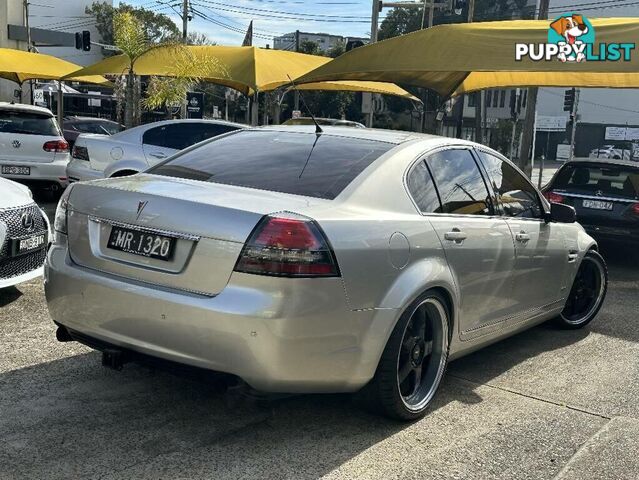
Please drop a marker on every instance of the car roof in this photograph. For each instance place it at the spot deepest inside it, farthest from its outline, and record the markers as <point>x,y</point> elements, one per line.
<point>396,137</point>
<point>132,133</point>
<point>600,161</point>
<point>25,108</point>
<point>88,119</point>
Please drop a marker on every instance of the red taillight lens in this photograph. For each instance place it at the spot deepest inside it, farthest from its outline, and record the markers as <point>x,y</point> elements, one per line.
<point>57,146</point>
<point>288,245</point>
<point>80,153</point>
<point>635,209</point>
<point>554,197</point>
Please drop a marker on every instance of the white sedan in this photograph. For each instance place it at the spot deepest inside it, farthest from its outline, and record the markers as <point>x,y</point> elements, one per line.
<point>24,235</point>
<point>134,150</point>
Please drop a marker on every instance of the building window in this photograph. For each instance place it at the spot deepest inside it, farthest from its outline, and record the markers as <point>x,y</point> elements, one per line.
<point>495,98</point>
<point>471,100</point>
<point>489,97</point>
<point>502,99</point>
<point>524,100</point>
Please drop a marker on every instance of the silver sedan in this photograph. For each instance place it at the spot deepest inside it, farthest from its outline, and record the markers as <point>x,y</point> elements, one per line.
<point>348,260</point>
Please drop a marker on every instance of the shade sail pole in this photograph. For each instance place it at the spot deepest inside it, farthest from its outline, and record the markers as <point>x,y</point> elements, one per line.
<point>60,104</point>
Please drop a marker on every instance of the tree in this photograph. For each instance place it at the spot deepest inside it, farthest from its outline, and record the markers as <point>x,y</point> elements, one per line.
<point>310,48</point>
<point>155,27</point>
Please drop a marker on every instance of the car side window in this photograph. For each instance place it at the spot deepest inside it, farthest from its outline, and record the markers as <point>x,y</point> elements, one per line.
<point>155,136</point>
<point>422,189</point>
<point>515,193</point>
<point>461,187</point>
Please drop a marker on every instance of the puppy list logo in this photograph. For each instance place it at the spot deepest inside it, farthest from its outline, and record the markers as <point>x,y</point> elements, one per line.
<point>571,38</point>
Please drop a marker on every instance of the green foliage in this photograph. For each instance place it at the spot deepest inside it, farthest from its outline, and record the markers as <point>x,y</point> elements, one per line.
<point>311,48</point>
<point>156,27</point>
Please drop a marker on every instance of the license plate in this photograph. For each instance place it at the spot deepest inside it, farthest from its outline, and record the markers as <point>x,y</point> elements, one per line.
<point>11,170</point>
<point>597,204</point>
<point>145,244</point>
<point>24,245</point>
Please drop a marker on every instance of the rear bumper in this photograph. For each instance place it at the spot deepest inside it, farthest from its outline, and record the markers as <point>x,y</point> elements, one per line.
<point>80,170</point>
<point>54,172</point>
<point>25,277</point>
<point>278,335</point>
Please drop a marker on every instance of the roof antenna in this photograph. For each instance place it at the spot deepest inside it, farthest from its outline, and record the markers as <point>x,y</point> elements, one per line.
<point>318,129</point>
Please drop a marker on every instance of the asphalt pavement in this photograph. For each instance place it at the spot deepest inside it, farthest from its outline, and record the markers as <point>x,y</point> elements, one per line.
<point>547,403</point>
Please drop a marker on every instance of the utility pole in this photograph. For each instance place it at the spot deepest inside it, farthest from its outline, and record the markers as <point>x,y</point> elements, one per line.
<point>185,19</point>
<point>25,4</point>
<point>525,162</point>
<point>296,94</point>
<point>480,118</point>
<point>573,114</point>
<point>461,101</point>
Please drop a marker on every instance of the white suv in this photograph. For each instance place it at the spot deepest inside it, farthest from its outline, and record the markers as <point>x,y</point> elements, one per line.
<point>32,148</point>
<point>24,235</point>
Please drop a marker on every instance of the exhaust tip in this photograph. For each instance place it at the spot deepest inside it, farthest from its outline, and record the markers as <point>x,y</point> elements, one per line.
<point>62,335</point>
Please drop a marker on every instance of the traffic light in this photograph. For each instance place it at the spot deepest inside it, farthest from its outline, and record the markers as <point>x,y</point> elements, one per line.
<point>78,41</point>
<point>569,100</point>
<point>86,40</point>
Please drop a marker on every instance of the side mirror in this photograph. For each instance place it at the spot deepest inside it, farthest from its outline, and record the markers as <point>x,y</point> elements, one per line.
<point>561,213</point>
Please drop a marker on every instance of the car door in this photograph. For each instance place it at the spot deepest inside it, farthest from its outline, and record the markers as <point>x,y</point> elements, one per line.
<point>158,142</point>
<point>541,256</point>
<point>476,241</point>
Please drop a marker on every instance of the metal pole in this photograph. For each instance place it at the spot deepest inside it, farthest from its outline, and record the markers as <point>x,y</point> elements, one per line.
<point>575,109</point>
<point>460,120</point>
<point>26,24</point>
<point>255,108</point>
<point>374,28</point>
<point>534,142</point>
<point>60,105</point>
<point>185,19</point>
<point>525,163</point>
<point>296,93</point>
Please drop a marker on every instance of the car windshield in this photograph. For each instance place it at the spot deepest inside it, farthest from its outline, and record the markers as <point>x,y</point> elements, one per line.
<point>606,180</point>
<point>290,162</point>
<point>104,128</point>
<point>29,123</point>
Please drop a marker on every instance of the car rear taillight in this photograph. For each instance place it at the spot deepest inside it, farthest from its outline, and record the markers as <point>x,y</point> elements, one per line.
<point>554,197</point>
<point>80,153</point>
<point>57,146</point>
<point>635,209</point>
<point>288,245</point>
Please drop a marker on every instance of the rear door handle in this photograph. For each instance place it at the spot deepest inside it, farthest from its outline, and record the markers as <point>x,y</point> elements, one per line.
<point>522,237</point>
<point>456,235</point>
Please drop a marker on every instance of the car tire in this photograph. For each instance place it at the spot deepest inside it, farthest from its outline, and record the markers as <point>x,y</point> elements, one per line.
<point>587,293</point>
<point>418,345</point>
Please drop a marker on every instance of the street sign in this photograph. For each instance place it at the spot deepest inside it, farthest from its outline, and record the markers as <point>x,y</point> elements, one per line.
<point>195,104</point>
<point>616,133</point>
<point>38,96</point>
<point>216,111</point>
<point>550,124</point>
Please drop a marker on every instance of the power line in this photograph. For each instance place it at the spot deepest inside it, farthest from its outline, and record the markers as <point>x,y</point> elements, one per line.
<point>269,32</point>
<point>621,109</point>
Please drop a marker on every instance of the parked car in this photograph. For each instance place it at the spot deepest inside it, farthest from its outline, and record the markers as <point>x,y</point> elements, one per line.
<point>351,260</point>
<point>32,149</point>
<point>611,152</point>
<point>136,149</point>
<point>24,235</point>
<point>323,121</point>
<point>604,194</point>
<point>74,126</point>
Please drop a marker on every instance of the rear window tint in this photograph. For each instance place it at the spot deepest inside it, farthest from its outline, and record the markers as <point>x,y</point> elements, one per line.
<point>298,163</point>
<point>28,123</point>
<point>616,181</point>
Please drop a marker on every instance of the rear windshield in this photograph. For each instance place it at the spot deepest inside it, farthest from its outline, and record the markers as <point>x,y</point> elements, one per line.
<point>299,163</point>
<point>615,181</point>
<point>30,123</point>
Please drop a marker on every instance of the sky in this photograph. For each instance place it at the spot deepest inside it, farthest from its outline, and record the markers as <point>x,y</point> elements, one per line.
<point>270,17</point>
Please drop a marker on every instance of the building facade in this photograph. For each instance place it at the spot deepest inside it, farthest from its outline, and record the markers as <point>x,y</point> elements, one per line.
<point>325,41</point>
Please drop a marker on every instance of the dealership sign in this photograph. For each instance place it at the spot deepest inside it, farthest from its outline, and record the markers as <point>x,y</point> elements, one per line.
<point>551,124</point>
<point>622,133</point>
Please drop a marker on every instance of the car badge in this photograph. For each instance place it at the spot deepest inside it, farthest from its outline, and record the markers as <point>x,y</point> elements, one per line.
<point>27,221</point>
<point>599,193</point>
<point>16,144</point>
<point>141,206</point>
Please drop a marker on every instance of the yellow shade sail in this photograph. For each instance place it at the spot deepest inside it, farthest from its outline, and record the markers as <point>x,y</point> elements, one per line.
<point>355,86</point>
<point>482,80</point>
<point>19,66</point>
<point>443,57</point>
<point>246,69</point>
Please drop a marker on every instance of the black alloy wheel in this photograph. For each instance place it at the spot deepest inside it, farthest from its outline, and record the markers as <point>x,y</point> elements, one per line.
<point>587,293</point>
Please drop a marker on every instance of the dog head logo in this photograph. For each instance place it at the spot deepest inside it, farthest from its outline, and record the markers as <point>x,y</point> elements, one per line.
<point>572,33</point>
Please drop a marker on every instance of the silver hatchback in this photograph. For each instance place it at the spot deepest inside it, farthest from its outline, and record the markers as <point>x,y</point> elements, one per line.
<point>342,261</point>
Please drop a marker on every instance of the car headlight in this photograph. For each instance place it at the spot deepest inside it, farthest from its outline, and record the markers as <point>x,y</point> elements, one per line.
<point>60,220</point>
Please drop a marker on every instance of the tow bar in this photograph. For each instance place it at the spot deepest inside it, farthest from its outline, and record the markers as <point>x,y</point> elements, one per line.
<point>114,359</point>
